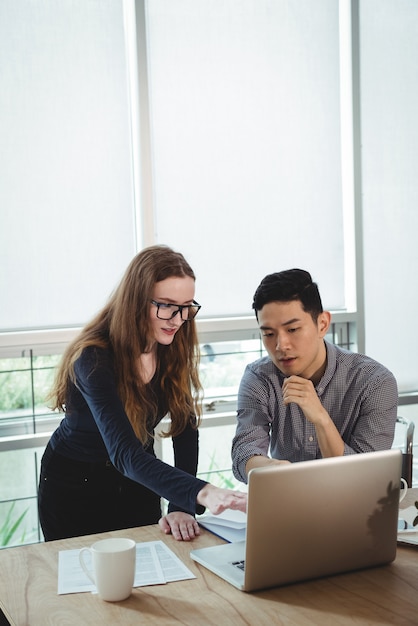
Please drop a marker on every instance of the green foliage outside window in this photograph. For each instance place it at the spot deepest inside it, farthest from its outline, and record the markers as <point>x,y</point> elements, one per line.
<point>16,377</point>
<point>11,528</point>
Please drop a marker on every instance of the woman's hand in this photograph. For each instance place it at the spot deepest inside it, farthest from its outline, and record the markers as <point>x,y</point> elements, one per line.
<point>217,500</point>
<point>181,525</point>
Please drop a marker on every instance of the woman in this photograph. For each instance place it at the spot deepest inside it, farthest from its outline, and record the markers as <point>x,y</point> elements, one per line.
<point>136,361</point>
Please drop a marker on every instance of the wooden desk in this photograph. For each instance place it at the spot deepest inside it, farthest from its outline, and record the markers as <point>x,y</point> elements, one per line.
<point>383,595</point>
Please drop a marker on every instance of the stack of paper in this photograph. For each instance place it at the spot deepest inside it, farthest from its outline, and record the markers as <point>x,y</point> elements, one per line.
<point>229,525</point>
<point>408,526</point>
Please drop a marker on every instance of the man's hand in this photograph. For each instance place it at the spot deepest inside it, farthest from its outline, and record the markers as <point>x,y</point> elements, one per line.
<point>302,392</point>
<point>181,525</point>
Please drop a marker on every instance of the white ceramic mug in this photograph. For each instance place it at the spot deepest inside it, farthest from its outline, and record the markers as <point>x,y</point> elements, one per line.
<point>404,491</point>
<point>113,562</point>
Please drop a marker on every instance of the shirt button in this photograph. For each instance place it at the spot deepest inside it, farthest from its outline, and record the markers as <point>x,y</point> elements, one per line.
<point>311,438</point>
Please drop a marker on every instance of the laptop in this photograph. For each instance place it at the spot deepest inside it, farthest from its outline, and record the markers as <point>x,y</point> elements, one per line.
<point>313,519</point>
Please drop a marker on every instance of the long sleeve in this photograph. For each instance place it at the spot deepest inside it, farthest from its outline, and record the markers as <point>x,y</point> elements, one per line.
<point>99,415</point>
<point>186,453</point>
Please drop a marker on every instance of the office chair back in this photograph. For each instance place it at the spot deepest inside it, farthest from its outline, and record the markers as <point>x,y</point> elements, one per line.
<point>407,448</point>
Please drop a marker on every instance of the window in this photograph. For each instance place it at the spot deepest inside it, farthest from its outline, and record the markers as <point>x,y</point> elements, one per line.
<point>389,88</point>
<point>67,226</point>
<point>246,143</point>
<point>234,149</point>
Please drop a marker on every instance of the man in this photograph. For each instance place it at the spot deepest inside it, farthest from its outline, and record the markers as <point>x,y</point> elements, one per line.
<point>308,398</point>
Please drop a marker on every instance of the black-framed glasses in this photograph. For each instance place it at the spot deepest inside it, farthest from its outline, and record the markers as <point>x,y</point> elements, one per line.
<point>168,311</point>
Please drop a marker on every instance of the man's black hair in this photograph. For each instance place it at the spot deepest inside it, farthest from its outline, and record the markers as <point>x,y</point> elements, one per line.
<point>286,286</point>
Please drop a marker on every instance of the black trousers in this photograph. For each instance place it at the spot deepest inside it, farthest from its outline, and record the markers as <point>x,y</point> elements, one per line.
<point>77,498</point>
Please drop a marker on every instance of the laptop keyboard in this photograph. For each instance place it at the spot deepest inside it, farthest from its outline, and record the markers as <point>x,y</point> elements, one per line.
<point>239,564</point>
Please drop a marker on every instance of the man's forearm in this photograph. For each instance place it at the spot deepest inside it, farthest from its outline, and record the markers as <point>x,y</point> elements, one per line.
<point>329,439</point>
<point>262,461</point>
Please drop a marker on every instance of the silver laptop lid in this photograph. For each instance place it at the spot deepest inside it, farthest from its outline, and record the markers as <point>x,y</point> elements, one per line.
<point>317,518</point>
<point>313,519</point>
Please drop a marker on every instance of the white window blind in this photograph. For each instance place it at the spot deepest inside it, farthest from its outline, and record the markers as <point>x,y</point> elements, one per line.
<point>389,88</point>
<point>246,136</point>
<point>66,208</point>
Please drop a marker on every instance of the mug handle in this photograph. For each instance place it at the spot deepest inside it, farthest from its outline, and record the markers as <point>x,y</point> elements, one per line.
<point>403,491</point>
<point>83,565</point>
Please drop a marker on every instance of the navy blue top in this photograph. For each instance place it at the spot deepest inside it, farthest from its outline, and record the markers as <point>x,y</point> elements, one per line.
<point>96,428</point>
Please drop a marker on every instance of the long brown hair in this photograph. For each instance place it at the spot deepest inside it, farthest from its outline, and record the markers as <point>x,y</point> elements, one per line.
<point>124,326</point>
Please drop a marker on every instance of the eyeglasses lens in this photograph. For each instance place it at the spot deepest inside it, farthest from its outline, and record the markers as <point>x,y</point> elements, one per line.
<point>170,311</point>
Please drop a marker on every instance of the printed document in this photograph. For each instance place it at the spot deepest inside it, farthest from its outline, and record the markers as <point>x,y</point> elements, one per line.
<point>156,564</point>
